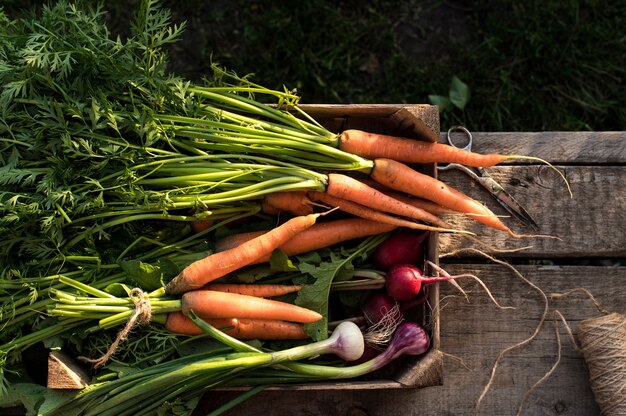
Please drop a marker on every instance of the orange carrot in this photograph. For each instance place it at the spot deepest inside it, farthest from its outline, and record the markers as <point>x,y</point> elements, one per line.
<point>201,225</point>
<point>258,290</point>
<point>345,187</point>
<point>362,211</point>
<point>243,329</point>
<point>178,323</point>
<point>235,240</point>
<point>379,146</point>
<point>213,304</point>
<point>428,206</point>
<point>269,209</point>
<point>216,265</point>
<point>402,178</point>
<point>324,234</point>
<point>268,329</point>
<point>374,146</point>
<point>294,202</point>
<point>349,189</point>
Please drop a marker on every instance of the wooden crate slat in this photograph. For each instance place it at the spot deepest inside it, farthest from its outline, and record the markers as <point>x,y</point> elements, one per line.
<point>591,224</point>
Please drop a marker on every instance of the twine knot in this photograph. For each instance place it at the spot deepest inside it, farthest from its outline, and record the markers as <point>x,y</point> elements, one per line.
<point>142,315</point>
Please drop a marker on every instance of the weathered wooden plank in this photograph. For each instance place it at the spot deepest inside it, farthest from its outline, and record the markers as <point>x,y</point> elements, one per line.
<point>556,147</point>
<point>476,332</point>
<point>589,225</point>
<point>65,373</point>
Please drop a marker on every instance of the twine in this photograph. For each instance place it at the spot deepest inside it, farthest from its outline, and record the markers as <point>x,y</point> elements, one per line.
<point>603,344</point>
<point>142,316</point>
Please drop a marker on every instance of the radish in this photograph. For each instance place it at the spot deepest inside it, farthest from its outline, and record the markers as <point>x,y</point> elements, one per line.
<point>378,305</point>
<point>400,248</point>
<point>382,314</point>
<point>404,281</point>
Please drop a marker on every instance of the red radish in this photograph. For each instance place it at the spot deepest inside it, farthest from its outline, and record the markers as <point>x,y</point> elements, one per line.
<point>421,297</point>
<point>404,281</point>
<point>377,306</point>
<point>400,248</point>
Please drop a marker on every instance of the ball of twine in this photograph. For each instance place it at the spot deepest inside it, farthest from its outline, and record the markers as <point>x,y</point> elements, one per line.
<point>603,345</point>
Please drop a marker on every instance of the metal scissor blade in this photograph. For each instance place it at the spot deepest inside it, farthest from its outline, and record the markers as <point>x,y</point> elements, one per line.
<point>497,191</point>
<point>506,200</point>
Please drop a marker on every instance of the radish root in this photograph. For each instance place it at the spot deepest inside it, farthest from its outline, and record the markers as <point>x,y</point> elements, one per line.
<point>480,282</point>
<point>538,159</point>
<point>382,331</point>
<point>505,351</point>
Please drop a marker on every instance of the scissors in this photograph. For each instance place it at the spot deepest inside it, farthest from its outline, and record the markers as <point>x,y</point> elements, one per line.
<point>481,176</point>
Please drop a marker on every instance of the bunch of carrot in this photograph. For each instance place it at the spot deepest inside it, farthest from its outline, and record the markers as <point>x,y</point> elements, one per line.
<point>172,150</point>
<point>395,195</point>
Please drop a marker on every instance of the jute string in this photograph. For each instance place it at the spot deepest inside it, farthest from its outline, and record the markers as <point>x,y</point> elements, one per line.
<point>142,315</point>
<point>603,345</point>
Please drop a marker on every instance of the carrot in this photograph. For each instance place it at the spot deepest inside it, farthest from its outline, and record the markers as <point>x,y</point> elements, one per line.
<point>320,235</point>
<point>362,211</point>
<point>326,234</point>
<point>269,209</point>
<point>258,290</point>
<point>268,329</point>
<point>235,240</point>
<point>213,304</point>
<point>400,177</point>
<point>216,265</point>
<point>424,204</point>
<point>348,189</point>
<point>178,323</point>
<point>428,206</point>
<point>374,146</point>
<point>244,329</point>
<point>379,146</point>
<point>345,187</point>
<point>201,225</point>
<point>294,202</point>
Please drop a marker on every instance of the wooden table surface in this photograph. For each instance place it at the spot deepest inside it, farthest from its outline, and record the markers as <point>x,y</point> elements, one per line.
<point>589,254</point>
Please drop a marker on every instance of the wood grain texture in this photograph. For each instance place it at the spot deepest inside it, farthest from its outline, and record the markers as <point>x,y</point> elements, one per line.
<point>476,332</point>
<point>65,373</point>
<point>590,225</point>
<point>556,147</point>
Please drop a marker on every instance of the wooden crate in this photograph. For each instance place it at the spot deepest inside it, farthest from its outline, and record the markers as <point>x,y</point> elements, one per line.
<point>419,122</point>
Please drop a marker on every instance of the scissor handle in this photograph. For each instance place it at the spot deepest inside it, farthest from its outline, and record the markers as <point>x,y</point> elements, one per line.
<point>468,146</point>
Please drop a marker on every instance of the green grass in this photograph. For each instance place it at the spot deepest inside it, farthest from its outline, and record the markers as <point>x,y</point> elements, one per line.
<point>533,65</point>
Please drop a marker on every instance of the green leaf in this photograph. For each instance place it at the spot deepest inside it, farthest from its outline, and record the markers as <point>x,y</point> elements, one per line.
<point>36,399</point>
<point>459,93</point>
<point>169,269</point>
<point>253,274</point>
<point>29,395</point>
<point>316,296</point>
<point>55,342</point>
<point>144,275</point>
<point>122,370</point>
<point>119,290</point>
<point>440,101</point>
<point>279,262</point>
<point>54,399</point>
